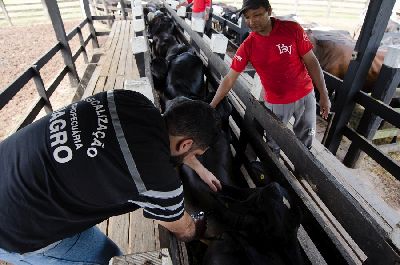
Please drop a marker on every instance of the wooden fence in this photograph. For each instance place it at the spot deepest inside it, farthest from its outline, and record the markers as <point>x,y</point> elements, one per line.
<point>19,12</point>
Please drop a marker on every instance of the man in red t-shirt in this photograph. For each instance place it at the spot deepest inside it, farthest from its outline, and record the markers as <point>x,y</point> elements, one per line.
<point>282,55</point>
<point>200,8</point>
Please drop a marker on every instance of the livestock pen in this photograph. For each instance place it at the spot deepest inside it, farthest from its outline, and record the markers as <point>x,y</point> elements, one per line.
<point>339,227</point>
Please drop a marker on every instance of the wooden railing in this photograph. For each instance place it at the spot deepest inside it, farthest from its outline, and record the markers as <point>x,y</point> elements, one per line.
<point>32,72</point>
<point>28,11</point>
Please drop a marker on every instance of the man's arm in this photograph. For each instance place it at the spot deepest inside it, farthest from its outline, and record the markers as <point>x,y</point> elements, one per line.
<point>207,10</point>
<point>225,86</point>
<point>183,3</point>
<point>184,229</point>
<point>203,172</point>
<point>315,72</point>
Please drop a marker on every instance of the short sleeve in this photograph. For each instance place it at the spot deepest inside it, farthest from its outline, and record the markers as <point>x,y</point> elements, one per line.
<point>304,45</point>
<point>241,57</point>
<point>163,205</point>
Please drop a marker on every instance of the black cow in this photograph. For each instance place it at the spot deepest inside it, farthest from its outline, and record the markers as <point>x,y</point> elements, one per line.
<point>261,227</point>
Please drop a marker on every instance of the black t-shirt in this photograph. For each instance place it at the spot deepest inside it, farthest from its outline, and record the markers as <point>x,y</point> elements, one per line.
<point>103,156</point>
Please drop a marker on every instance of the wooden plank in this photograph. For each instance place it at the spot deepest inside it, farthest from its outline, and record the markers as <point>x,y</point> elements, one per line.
<point>118,227</point>
<point>107,45</point>
<point>159,257</point>
<point>103,226</point>
<point>119,82</point>
<point>143,234</point>
<point>131,71</point>
<point>122,62</point>
<point>92,83</point>
<point>118,49</point>
<point>110,52</point>
<point>110,82</point>
<point>15,86</point>
<point>384,133</point>
<point>100,85</point>
<point>112,73</point>
<point>388,163</point>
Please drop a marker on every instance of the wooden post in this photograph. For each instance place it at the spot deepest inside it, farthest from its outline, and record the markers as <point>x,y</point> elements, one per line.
<point>82,42</point>
<point>93,4</point>
<point>56,20</point>
<point>3,7</point>
<point>219,44</point>
<point>122,3</point>
<point>41,90</point>
<point>378,14</point>
<point>86,7</point>
<point>384,89</point>
<point>139,48</point>
<point>107,12</point>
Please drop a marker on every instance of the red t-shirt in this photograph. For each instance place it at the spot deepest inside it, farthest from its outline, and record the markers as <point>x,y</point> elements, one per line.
<point>200,5</point>
<point>277,60</point>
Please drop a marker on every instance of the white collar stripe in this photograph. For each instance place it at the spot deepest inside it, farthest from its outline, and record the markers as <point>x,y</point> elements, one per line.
<point>165,216</point>
<point>163,194</point>
<point>155,206</point>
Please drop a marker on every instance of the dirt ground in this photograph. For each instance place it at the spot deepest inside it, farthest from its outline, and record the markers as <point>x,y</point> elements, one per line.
<point>21,46</point>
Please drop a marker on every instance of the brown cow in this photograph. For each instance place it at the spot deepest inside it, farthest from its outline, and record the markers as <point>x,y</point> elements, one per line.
<point>334,49</point>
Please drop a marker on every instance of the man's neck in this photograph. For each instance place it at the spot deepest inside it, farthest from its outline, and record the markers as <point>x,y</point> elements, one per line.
<point>268,28</point>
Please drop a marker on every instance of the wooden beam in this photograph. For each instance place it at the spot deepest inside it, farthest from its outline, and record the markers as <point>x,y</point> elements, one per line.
<point>82,43</point>
<point>384,90</point>
<point>58,25</point>
<point>122,3</point>
<point>41,90</point>
<point>376,20</point>
<point>86,8</point>
<point>389,164</point>
<point>107,13</point>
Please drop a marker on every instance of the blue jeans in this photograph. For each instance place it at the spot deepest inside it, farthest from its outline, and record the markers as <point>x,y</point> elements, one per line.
<point>88,247</point>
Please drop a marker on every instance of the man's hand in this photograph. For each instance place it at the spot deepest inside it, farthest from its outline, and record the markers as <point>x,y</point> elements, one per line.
<point>204,173</point>
<point>325,106</point>
<point>184,229</point>
<point>211,180</point>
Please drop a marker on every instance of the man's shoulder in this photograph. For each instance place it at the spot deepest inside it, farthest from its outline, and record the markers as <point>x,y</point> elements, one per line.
<point>249,39</point>
<point>289,24</point>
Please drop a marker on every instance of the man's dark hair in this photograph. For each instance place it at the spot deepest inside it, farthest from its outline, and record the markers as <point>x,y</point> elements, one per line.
<point>194,119</point>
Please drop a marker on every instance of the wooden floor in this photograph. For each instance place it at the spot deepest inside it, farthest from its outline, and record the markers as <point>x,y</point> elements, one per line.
<point>117,63</point>
<point>131,232</point>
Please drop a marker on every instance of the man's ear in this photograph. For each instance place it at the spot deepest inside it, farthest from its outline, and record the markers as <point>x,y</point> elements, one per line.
<point>184,145</point>
<point>269,11</point>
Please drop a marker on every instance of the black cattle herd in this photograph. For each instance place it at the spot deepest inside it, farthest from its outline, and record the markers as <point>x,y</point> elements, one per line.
<point>245,225</point>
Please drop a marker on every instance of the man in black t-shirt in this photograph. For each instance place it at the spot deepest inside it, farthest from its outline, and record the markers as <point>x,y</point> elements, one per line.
<point>103,156</point>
